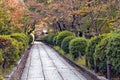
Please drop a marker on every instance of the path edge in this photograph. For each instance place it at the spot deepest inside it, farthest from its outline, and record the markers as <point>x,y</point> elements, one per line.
<point>16,72</point>
<point>83,70</point>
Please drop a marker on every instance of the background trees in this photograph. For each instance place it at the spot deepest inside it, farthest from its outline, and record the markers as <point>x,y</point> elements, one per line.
<point>83,17</point>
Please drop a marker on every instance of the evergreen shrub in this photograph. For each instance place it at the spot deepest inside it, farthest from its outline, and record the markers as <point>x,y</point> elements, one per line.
<point>62,35</point>
<point>65,43</point>
<point>90,50</point>
<point>77,47</point>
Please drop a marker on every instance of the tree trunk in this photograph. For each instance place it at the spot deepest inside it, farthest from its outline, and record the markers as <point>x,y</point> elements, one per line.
<point>86,61</point>
<point>108,71</point>
<point>80,55</point>
<point>59,26</point>
<point>95,67</point>
<point>4,65</point>
<point>73,25</point>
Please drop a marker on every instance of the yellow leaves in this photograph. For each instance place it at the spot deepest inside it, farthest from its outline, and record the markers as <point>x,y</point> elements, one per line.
<point>82,12</point>
<point>19,25</point>
<point>49,1</point>
<point>0,2</point>
<point>101,8</point>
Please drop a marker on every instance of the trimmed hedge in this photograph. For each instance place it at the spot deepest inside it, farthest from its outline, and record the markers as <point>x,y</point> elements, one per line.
<point>55,40</point>
<point>50,38</point>
<point>113,54</point>
<point>23,40</point>
<point>77,47</point>
<point>108,50</point>
<point>21,37</point>
<point>90,50</point>
<point>65,43</point>
<point>62,35</point>
<point>10,50</point>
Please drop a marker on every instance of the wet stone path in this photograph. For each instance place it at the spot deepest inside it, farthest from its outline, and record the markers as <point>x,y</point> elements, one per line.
<point>44,63</point>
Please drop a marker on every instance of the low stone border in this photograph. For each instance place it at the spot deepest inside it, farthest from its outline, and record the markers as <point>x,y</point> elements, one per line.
<point>16,73</point>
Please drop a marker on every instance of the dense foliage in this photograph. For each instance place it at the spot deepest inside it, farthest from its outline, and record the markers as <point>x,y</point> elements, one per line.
<point>62,35</point>
<point>21,37</point>
<point>55,40</point>
<point>90,50</point>
<point>31,39</point>
<point>98,50</point>
<point>107,50</point>
<point>82,17</point>
<point>11,48</point>
<point>77,47</point>
<point>65,43</point>
<point>50,38</point>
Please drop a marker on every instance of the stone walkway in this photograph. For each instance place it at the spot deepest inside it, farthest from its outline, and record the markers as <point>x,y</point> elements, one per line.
<point>45,64</point>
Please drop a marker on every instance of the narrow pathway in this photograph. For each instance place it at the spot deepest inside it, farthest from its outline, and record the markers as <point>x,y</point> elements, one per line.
<point>45,64</point>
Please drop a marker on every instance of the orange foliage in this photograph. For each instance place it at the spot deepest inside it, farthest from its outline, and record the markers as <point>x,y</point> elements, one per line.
<point>16,9</point>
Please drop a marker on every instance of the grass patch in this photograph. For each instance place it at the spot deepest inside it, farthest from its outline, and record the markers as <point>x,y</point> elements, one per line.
<point>58,49</point>
<point>80,61</point>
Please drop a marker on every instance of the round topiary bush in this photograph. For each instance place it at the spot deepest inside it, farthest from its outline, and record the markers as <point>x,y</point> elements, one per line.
<point>65,43</point>
<point>90,50</point>
<point>106,50</point>
<point>113,54</point>
<point>62,35</point>
<point>54,40</point>
<point>77,47</point>
<point>50,39</point>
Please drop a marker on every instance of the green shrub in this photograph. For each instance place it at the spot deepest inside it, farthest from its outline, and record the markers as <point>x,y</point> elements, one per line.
<point>13,53</point>
<point>45,38</point>
<point>1,57</point>
<point>31,39</point>
<point>21,37</point>
<point>77,47</point>
<point>55,40</point>
<point>90,50</point>
<point>10,50</point>
<point>62,35</point>
<point>23,41</point>
<point>100,55</point>
<point>108,50</point>
<point>65,43</point>
<point>113,54</point>
<point>21,48</point>
<point>50,38</point>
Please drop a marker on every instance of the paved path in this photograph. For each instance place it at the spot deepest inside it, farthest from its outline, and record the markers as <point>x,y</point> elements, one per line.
<point>45,64</point>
